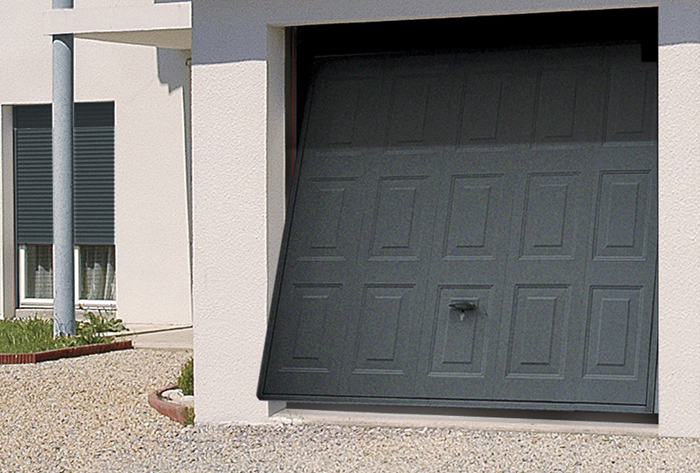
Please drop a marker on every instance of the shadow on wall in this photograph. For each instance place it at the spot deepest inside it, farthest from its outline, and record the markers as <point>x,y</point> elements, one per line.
<point>174,71</point>
<point>685,29</point>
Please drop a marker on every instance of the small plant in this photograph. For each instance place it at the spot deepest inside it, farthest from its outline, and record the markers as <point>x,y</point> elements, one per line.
<point>92,330</point>
<point>189,416</point>
<point>186,380</point>
<point>103,321</point>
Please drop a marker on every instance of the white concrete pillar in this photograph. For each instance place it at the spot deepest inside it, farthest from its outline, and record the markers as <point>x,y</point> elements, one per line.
<point>679,219</point>
<point>230,288</point>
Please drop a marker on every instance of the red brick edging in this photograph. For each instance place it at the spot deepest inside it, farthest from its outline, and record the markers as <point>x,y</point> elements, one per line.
<point>175,411</point>
<point>69,352</point>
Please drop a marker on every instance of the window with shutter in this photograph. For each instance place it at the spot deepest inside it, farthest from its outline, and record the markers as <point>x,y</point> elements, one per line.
<point>93,200</point>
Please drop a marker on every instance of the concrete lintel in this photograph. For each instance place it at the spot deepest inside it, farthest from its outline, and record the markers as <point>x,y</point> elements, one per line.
<point>166,25</point>
<point>169,39</point>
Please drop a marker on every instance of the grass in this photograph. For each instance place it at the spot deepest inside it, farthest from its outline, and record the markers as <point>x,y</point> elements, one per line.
<point>34,334</point>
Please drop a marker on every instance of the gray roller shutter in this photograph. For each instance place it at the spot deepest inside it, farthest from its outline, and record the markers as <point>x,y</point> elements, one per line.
<point>93,174</point>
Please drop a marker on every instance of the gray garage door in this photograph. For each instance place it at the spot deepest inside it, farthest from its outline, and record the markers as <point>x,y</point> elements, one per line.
<point>472,229</point>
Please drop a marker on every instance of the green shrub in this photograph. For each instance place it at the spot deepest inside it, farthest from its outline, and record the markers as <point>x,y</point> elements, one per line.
<point>186,379</point>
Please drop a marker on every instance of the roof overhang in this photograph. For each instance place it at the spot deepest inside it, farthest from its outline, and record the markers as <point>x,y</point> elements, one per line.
<point>165,25</point>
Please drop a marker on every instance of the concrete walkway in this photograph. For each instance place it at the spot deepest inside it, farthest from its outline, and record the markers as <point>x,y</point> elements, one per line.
<point>159,337</point>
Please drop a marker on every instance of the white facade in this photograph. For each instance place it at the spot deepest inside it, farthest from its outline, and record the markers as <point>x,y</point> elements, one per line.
<point>150,90</point>
<point>238,162</point>
<point>238,155</point>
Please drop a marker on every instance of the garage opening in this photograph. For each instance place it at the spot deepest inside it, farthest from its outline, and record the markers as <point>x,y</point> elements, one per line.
<point>473,216</point>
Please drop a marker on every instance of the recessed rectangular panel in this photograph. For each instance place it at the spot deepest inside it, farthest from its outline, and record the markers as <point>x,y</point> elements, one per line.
<point>458,346</point>
<point>409,107</point>
<point>621,229</point>
<point>622,216</point>
<point>549,223</point>
<point>380,333</point>
<point>419,104</point>
<point>341,125</point>
<point>482,105</point>
<point>474,208</point>
<point>570,105</point>
<point>557,91</point>
<point>537,336</point>
<point>307,318</point>
<point>629,112</point>
<point>329,208</point>
<point>613,338</point>
<point>323,237</point>
<point>344,116</point>
<point>397,222</point>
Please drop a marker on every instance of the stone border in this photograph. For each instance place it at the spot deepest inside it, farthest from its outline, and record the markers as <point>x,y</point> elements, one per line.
<point>173,410</point>
<point>68,352</point>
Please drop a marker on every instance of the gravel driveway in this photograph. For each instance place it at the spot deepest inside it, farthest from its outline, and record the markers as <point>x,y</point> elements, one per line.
<point>91,414</point>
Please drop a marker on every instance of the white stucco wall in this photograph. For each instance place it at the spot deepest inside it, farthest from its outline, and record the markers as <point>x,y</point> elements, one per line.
<point>679,219</point>
<point>149,87</point>
<point>238,161</point>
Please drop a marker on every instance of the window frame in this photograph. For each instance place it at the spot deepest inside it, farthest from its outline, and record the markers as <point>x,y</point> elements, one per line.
<point>31,302</point>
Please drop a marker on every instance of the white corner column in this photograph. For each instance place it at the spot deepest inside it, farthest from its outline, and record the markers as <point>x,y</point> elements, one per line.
<point>231,220</point>
<point>679,219</point>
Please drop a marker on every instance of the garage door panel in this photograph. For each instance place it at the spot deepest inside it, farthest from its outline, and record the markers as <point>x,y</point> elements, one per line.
<point>550,214</point>
<point>305,353</point>
<point>419,103</point>
<point>569,106</point>
<point>615,332</point>
<point>623,216</point>
<point>537,334</point>
<point>472,224</point>
<point>398,225</point>
<point>494,107</point>
<point>458,346</point>
<point>632,102</point>
<point>353,124</point>
<point>328,208</point>
<point>380,357</point>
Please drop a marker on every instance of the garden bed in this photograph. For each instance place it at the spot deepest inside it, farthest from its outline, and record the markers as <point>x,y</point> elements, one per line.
<point>176,411</point>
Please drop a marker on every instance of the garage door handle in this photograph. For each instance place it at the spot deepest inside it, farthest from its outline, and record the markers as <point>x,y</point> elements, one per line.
<point>464,306</point>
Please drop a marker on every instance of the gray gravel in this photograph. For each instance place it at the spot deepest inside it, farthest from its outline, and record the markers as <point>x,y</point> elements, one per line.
<point>91,414</point>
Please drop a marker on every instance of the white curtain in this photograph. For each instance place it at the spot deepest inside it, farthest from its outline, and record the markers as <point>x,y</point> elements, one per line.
<point>97,273</point>
<point>39,272</point>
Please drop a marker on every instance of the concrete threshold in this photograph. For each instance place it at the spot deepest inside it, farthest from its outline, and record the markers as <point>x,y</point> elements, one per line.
<point>469,422</point>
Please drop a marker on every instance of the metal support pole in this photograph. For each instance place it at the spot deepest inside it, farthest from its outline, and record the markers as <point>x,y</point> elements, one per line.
<point>63,268</point>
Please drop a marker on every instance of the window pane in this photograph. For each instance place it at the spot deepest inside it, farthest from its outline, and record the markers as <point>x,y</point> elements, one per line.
<point>97,273</point>
<point>38,283</point>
